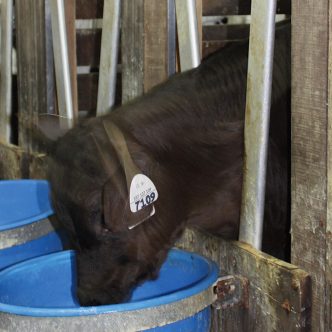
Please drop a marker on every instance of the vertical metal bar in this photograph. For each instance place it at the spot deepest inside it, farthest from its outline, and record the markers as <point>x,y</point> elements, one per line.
<point>6,69</point>
<point>108,56</point>
<point>186,18</point>
<point>259,83</point>
<point>62,72</point>
<point>171,21</point>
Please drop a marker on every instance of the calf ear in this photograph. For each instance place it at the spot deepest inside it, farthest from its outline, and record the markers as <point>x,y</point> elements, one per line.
<point>116,206</point>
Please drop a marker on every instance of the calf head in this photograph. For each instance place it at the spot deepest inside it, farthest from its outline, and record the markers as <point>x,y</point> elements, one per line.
<point>90,197</point>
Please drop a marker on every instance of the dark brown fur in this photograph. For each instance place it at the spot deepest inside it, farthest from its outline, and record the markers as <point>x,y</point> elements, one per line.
<point>187,136</point>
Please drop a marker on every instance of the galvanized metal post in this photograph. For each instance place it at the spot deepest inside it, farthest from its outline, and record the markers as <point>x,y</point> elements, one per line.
<point>188,36</point>
<point>6,39</point>
<point>261,49</point>
<point>108,56</point>
<point>62,71</point>
<point>50,81</point>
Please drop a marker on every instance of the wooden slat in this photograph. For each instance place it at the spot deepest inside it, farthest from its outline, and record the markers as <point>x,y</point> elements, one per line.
<point>329,183</point>
<point>279,293</point>
<point>309,148</point>
<point>132,46</point>
<point>238,7</point>
<point>31,62</point>
<point>225,32</point>
<point>155,43</point>
<point>88,47</point>
<point>88,9</point>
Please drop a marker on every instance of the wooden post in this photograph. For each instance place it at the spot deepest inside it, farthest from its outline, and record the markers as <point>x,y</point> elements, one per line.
<point>31,64</point>
<point>311,145</point>
<point>144,46</point>
<point>155,43</point>
<point>132,45</point>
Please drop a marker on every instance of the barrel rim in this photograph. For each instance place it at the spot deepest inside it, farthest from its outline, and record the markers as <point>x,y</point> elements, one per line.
<point>200,286</point>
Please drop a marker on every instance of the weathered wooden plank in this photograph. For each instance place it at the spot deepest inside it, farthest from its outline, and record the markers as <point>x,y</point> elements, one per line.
<point>225,32</point>
<point>279,293</point>
<point>309,147</point>
<point>155,43</point>
<point>132,46</point>
<point>329,185</point>
<point>238,7</point>
<point>88,42</point>
<point>87,9</point>
<point>31,63</point>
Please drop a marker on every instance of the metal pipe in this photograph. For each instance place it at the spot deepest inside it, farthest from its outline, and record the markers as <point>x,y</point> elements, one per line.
<point>62,71</point>
<point>50,82</point>
<point>188,37</point>
<point>259,84</point>
<point>108,56</point>
<point>6,69</point>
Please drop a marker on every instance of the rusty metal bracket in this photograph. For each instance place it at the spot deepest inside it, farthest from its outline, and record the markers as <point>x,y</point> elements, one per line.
<point>231,291</point>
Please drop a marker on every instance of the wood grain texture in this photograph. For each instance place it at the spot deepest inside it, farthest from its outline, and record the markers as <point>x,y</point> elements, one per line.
<point>328,297</point>
<point>309,147</point>
<point>238,7</point>
<point>155,43</point>
<point>31,63</point>
<point>279,293</point>
<point>132,46</point>
<point>88,9</point>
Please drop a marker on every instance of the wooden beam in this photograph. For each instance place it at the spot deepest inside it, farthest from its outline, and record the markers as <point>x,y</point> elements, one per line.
<point>310,175</point>
<point>87,9</point>
<point>279,297</point>
<point>155,43</point>
<point>31,64</point>
<point>238,7</point>
<point>132,49</point>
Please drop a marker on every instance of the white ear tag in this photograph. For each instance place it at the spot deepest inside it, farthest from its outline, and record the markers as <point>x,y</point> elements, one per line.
<point>142,192</point>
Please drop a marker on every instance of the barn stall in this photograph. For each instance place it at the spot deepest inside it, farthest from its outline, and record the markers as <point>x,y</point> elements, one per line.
<point>270,295</point>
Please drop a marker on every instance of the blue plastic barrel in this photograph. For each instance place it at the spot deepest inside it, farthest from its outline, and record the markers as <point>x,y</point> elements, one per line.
<point>25,230</point>
<point>39,295</point>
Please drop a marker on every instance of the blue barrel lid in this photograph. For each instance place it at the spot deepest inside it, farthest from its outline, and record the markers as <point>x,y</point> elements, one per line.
<point>44,286</point>
<point>23,202</point>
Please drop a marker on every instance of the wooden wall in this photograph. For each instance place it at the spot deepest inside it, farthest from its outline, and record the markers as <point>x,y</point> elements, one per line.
<point>311,151</point>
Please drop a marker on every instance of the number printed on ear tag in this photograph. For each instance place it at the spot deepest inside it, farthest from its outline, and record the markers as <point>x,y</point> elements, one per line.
<point>142,192</point>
